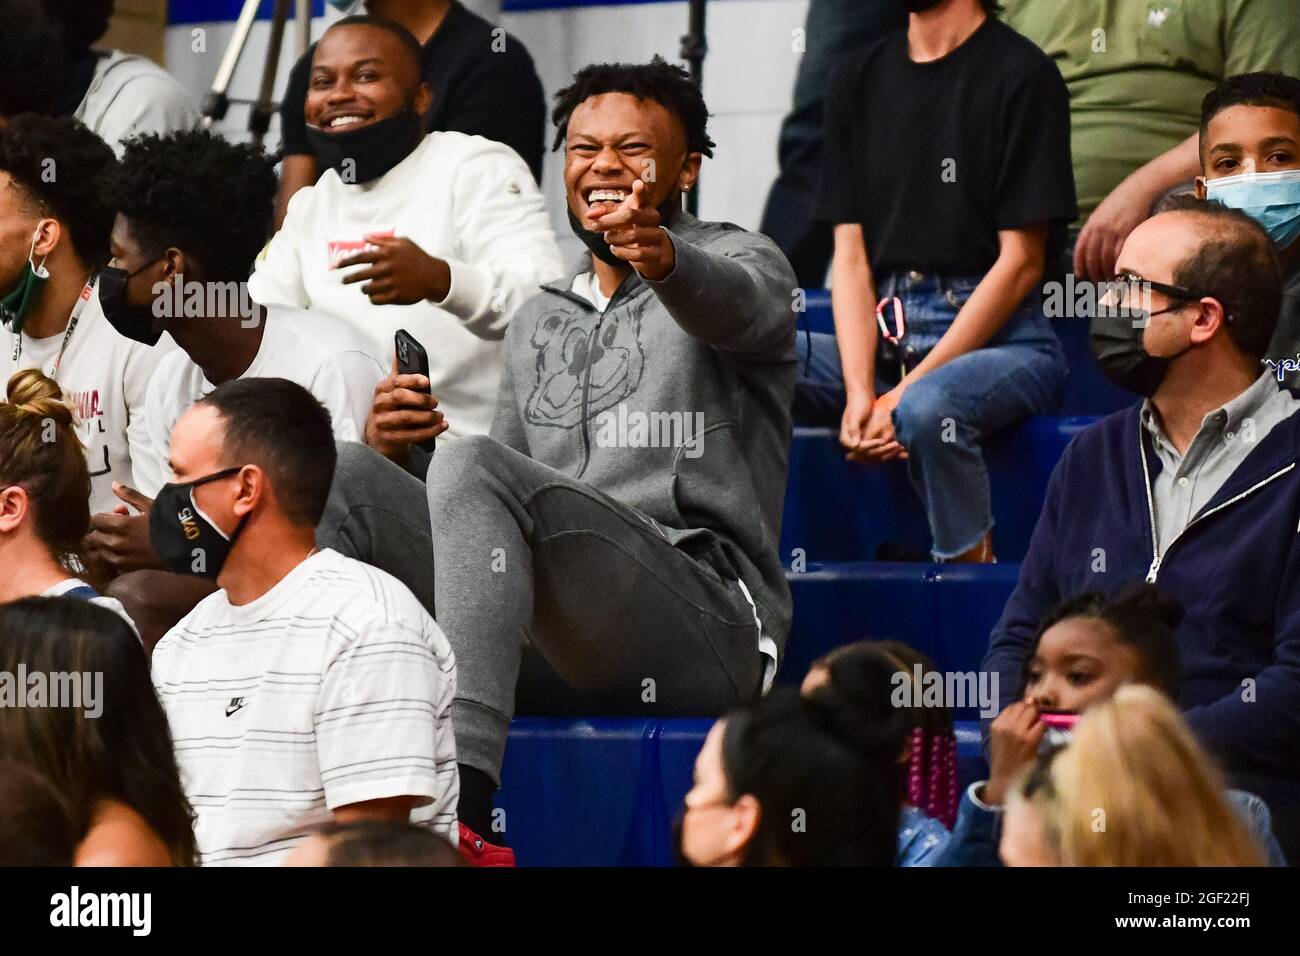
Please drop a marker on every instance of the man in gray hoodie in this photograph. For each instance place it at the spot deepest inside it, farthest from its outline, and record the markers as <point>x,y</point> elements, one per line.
<point>611,546</point>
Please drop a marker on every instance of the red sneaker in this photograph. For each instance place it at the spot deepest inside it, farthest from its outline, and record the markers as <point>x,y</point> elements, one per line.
<point>478,852</point>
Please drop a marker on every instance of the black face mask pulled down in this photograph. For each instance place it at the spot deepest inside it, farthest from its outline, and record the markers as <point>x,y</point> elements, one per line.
<point>185,539</point>
<point>919,6</point>
<point>595,242</point>
<point>135,322</point>
<point>1118,349</point>
<point>365,154</point>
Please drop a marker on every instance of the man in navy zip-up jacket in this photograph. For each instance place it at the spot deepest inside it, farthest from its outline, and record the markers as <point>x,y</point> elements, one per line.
<point>1230,554</point>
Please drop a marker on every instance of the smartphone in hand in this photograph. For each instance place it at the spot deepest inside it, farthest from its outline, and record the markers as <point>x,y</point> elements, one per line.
<point>412,359</point>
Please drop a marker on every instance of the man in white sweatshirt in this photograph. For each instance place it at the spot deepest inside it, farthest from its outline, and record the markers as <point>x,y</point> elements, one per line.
<point>442,235</point>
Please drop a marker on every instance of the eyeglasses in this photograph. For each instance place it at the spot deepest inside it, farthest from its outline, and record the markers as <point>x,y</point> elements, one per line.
<point>1129,292</point>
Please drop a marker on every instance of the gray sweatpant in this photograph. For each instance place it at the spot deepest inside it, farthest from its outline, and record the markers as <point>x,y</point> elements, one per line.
<point>547,587</point>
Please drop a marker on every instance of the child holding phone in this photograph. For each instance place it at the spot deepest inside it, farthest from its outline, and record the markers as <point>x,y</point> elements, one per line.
<point>1134,759</point>
<point>1085,650</point>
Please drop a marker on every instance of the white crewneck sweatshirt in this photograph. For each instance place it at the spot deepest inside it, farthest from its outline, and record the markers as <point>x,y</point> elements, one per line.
<point>464,199</point>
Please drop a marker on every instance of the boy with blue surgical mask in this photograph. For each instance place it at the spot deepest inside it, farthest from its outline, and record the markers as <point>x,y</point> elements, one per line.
<point>1250,160</point>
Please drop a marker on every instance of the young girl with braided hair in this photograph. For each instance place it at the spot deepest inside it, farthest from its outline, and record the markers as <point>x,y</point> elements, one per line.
<point>877,674</point>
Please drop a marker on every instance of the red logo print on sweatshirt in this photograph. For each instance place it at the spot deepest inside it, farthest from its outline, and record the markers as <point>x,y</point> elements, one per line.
<point>86,404</point>
<point>339,249</point>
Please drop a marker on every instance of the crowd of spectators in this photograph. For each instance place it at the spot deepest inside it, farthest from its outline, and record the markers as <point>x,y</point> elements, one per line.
<point>318,468</point>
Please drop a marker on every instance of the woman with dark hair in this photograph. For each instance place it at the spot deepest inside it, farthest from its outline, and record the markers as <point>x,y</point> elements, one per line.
<point>34,826</point>
<point>874,674</point>
<point>101,739</point>
<point>793,781</point>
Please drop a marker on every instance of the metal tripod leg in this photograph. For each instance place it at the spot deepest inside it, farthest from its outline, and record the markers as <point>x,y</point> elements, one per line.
<point>694,48</point>
<point>259,121</point>
<point>304,26</point>
<point>217,101</point>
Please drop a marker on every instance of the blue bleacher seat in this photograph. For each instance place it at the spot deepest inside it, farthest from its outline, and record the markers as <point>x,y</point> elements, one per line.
<point>572,791</point>
<point>604,792</point>
<point>837,510</point>
<point>945,610</point>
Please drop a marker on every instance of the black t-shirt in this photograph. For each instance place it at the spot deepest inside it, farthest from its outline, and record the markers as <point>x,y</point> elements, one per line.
<point>476,89</point>
<point>934,158</point>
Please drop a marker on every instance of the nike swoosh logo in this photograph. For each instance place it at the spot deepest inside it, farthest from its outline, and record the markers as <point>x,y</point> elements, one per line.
<point>231,710</point>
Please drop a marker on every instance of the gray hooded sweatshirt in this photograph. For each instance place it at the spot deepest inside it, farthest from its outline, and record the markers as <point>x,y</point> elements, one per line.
<point>675,400</point>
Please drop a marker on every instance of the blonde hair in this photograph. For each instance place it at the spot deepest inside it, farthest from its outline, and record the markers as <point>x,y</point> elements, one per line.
<point>41,452</point>
<point>1134,788</point>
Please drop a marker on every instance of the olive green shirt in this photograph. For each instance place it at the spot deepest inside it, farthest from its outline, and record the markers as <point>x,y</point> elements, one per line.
<point>1138,69</point>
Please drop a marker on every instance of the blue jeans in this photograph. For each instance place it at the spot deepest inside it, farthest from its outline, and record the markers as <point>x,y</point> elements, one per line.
<point>945,414</point>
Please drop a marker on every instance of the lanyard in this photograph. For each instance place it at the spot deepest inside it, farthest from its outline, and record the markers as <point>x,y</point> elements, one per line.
<point>86,292</point>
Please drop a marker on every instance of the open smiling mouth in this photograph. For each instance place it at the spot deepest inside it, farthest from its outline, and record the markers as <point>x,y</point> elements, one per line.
<point>604,194</point>
<point>347,121</point>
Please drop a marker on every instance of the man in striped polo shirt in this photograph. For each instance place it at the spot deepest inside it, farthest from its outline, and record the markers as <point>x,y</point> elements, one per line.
<point>309,681</point>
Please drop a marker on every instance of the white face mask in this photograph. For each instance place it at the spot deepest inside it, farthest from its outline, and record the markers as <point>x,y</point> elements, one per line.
<point>1271,199</point>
